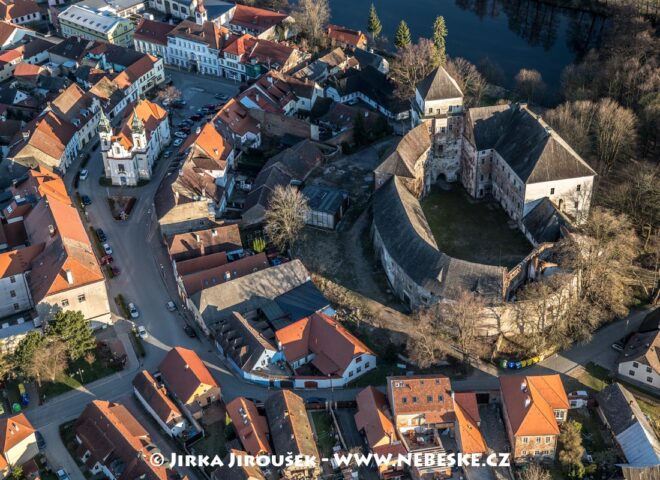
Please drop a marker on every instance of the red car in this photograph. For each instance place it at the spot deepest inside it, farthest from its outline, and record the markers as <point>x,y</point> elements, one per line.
<point>115,271</point>
<point>106,260</point>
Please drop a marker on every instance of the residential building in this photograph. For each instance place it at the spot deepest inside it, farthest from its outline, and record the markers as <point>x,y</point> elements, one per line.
<point>150,37</point>
<point>81,109</point>
<point>639,362</point>
<point>534,407</point>
<point>291,433</point>
<point>236,123</point>
<point>346,37</point>
<point>146,73</point>
<point>374,420</point>
<point>182,9</point>
<point>11,34</point>
<point>188,379</point>
<point>326,205</point>
<point>260,23</point>
<point>15,296</point>
<point>92,25</point>
<point>130,152</point>
<point>196,47</point>
<point>246,57</point>
<point>629,426</point>
<point>119,8</point>
<point>17,441</point>
<point>111,442</point>
<point>244,471</point>
<point>332,63</point>
<point>323,343</point>
<point>154,399</point>
<point>200,243</point>
<point>251,427</point>
<point>71,49</point>
<point>21,12</point>
<point>366,58</point>
<point>47,141</point>
<point>468,420</point>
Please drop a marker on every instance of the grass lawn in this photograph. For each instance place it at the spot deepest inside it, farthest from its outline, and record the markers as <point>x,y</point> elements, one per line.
<point>71,379</point>
<point>651,409</point>
<point>324,427</point>
<point>592,439</point>
<point>214,441</point>
<point>473,231</point>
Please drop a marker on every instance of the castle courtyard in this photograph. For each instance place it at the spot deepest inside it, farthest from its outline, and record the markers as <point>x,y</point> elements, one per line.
<point>473,230</point>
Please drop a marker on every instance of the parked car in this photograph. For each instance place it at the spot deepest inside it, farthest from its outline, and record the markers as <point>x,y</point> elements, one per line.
<point>166,102</point>
<point>84,173</point>
<point>185,130</point>
<point>167,153</point>
<point>178,142</point>
<point>107,260</point>
<point>179,103</point>
<point>190,331</point>
<point>196,117</point>
<point>133,310</point>
<point>180,134</point>
<point>85,200</point>
<point>221,96</point>
<point>41,441</point>
<point>618,346</point>
<point>107,248</point>
<point>115,271</point>
<point>62,475</point>
<point>171,306</point>
<point>142,332</point>
<point>197,89</point>
<point>101,235</point>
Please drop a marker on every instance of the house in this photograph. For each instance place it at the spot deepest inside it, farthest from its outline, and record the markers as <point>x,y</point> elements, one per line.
<point>374,420</point>
<point>119,8</point>
<point>113,443</point>
<point>213,274</point>
<point>468,434</point>
<point>291,433</point>
<point>346,37</point>
<point>247,293</point>
<point>534,407</point>
<point>222,238</point>
<point>244,471</point>
<point>188,379</point>
<point>196,47</point>
<point>639,362</point>
<point>366,58</point>
<point>147,73</point>
<point>150,37</point>
<point>89,24</point>
<point>260,23</point>
<point>81,109</point>
<point>422,407</point>
<point>620,412</point>
<point>248,346</point>
<point>21,12</point>
<point>182,9</point>
<point>251,427</point>
<point>11,34</point>
<point>319,70</point>
<point>326,205</point>
<point>113,101</point>
<point>236,123</point>
<point>331,349</point>
<point>130,151</point>
<point>17,440</point>
<point>291,166</point>
<point>154,399</point>
<point>71,49</point>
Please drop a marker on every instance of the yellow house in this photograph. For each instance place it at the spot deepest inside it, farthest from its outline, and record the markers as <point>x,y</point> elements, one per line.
<point>91,25</point>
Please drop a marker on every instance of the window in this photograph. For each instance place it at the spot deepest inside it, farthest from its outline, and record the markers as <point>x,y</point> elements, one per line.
<point>358,359</point>
<point>121,168</point>
<point>631,373</point>
<point>648,369</point>
<point>12,293</point>
<point>359,369</point>
<point>635,364</point>
<point>12,279</point>
<point>350,374</point>
<point>429,399</point>
<point>524,452</point>
<point>81,298</point>
<point>16,307</point>
<point>414,399</point>
<point>576,204</point>
<point>404,400</point>
<point>649,379</point>
<point>538,439</point>
<point>525,440</point>
<point>547,439</point>
<point>65,303</point>
<point>578,188</point>
<point>440,398</point>
<point>552,191</point>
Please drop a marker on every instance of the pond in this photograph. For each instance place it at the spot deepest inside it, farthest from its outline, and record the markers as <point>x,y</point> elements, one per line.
<point>512,34</point>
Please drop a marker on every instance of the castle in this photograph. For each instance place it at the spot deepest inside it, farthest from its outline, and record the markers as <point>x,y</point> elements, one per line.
<point>507,151</point>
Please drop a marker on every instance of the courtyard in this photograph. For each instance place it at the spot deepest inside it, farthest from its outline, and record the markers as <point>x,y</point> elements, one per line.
<point>476,231</point>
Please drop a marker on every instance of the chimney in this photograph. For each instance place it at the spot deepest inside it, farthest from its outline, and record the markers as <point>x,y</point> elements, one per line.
<point>197,237</point>
<point>214,232</point>
<point>256,97</point>
<point>26,135</point>
<point>69,277</point>
<point>186,366</point>
<point>523,386</point>
<point>198,129</point>
<point>528,401</point>
<point>51,230</point>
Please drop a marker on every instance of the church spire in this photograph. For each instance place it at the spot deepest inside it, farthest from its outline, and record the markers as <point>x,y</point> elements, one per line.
<point>104,123</point>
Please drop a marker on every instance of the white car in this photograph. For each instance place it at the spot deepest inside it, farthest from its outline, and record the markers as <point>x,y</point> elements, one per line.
<point>107,248</point>
<point>178,142</point>
<point>62,475</point>
<point>142,332</point>
<point>180,134</point>
<point>84,173</point>
<point>133,310</point>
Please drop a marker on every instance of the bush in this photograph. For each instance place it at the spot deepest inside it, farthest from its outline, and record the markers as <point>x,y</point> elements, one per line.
<point>137,343</point>
<point>123,307</point>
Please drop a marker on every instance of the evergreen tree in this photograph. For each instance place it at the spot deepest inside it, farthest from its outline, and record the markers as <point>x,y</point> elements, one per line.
<point>360,134</point>
<point>72,328</point>
<point>374,26</point>
<point>30,343</point>
<point>571,450</point>
<point>402,37</point>
<point>439,38</point>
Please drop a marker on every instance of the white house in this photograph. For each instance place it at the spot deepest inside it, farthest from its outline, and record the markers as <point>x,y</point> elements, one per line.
<point>129,154</point>
<point>154,399</point>
<point>196,47</point>
<point>639,362</point>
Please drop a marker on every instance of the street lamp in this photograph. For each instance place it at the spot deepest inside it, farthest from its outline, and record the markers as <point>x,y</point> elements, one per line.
<point>80,372</point>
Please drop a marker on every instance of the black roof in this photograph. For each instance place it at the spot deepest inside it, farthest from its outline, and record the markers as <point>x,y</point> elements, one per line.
<point>302,301</point>
<point>438,85</point>
<point>544,222</point>
<point>651,321</point>
<point>620,408</point>
<point>73,48</point>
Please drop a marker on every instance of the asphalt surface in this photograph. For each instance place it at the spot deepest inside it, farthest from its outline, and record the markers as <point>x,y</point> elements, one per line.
<point>146,280</point>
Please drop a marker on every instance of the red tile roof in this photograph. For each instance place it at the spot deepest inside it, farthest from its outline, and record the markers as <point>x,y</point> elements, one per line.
<point>156,397</point>
<point>15,262</point>
<point>347,36</point>
<point>236,118</point>
<point>152,31</point>
<point>13,430</point>
<point>467,416</point>
<point>334,346</point>
<point>49,134</point>
<point>428,395</point>
<point>374,418</point>
<point>210,144</point>
<point>150,114</point>
<point>251,428</point>
<point>13,9</point>
<point>530,402</point>
<point>195,282</point>
<point>184,372</point>
<point>253,18</point>
<point>222,238</point>
<point>135,71</point>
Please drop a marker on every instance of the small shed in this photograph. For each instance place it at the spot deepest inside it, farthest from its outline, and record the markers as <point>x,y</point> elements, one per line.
<point>327,205</point>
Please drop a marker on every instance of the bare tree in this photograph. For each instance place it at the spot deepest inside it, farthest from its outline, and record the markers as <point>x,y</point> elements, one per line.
<point>460,319</point>
<point>49,361</point>
<point>615,133</point>
<point>468,78</point>
<point>412,64</point>
<point>286,216</point>
<point>423,344</point>
<point>638,194</point>
<point>530,86</point>
<point>311,17</point>
<point>535,472</point>
<point>574,121</point>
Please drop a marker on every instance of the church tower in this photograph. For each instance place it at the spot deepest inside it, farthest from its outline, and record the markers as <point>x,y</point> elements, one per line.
<point>105,132</point>
<point>138,133</point>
